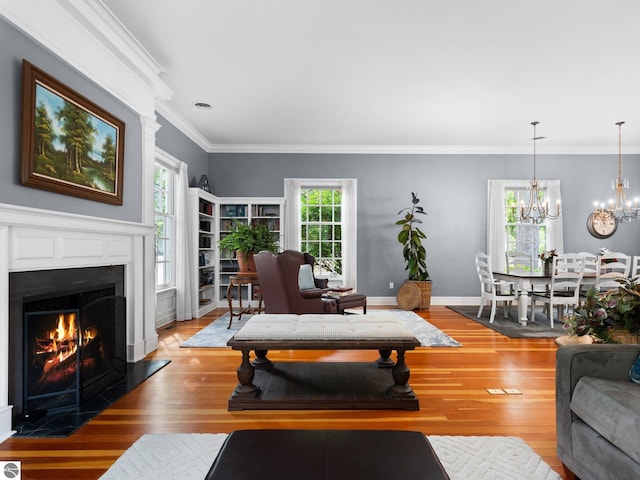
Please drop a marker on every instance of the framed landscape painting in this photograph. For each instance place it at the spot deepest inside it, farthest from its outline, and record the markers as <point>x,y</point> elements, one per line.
<point>69,144</point>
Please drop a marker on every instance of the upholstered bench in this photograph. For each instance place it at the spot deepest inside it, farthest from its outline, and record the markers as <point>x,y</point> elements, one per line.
<point>379,332</point>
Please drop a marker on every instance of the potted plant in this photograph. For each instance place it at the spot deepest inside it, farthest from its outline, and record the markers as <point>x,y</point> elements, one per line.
<point>609,317</point>
<point>547,260</point>
<point>247,239</point>
<point>414,253</point>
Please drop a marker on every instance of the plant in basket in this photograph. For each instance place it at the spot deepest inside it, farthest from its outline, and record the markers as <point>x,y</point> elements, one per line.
<point>610,317</point>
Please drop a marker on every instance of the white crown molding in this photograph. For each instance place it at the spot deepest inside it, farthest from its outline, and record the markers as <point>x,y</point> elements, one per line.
<point>164,109</point>
<point>414,149</point>
<point>181,124</point>
<point>87,36</point>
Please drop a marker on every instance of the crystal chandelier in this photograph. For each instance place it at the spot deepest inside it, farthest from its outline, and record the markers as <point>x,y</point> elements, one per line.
<point>619,208</point>
<point>537,209</point>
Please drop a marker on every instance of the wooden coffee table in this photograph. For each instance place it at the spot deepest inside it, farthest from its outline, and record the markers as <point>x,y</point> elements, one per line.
<point>382,384</point>
<point>326,454</point>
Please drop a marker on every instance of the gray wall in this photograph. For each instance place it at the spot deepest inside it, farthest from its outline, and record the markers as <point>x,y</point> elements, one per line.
<point>15,47</point>
<point>176,143</point>
<point>453,190</point>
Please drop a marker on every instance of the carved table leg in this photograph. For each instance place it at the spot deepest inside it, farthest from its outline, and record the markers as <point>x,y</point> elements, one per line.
<point>400,373</point>
<point>261,360</point>
<point>246,373</point>
<point>385,359</point>
<point>229,290</point>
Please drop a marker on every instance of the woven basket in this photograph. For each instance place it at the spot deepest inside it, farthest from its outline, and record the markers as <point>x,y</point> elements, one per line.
<point>624,337</point>
<point>425,293</point>
<point>408,296</point>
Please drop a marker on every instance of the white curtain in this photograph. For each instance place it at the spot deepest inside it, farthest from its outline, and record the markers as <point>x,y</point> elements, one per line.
<point>496,242</point>
<point>495,224</point>
<point>292,188</point>
<point>186,305</point>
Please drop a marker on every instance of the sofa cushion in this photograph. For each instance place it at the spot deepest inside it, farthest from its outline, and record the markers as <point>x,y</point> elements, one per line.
<point>305,277</point>
<point>611,408</point>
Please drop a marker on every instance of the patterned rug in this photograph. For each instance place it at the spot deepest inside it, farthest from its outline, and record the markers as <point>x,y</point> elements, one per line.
<point>216,333</point>
<point>190,455</point>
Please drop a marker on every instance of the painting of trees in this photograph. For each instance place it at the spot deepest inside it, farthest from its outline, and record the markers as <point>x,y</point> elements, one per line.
<point>70,145</point>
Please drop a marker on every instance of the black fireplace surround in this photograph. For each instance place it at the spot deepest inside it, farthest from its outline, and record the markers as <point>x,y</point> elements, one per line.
<point>91,300</point>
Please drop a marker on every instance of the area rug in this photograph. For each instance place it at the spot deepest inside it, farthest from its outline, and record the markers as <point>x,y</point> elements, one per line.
<point>189,456</point>
<point>510,327</point>
<point>216,333</point>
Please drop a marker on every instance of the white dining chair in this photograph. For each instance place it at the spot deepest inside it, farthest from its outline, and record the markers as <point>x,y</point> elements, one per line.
<point>635,266</point>
<point>564,290</point>
<point>613,265</point>
<point>591,272</point>
<point>519,262</point>
<point>492,290</point>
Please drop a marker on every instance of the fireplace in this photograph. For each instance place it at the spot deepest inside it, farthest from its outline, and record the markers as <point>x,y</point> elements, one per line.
<point>68,336</point>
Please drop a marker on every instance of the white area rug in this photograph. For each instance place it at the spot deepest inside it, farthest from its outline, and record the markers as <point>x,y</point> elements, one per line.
<point>188,456</point>
<point>216,333</point>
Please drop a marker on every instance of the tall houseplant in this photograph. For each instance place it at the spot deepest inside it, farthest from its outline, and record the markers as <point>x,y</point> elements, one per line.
<point>414,253</point>
<point>245,240</point>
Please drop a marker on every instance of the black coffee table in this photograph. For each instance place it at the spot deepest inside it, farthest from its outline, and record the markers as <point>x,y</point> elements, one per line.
<point>326,455</point>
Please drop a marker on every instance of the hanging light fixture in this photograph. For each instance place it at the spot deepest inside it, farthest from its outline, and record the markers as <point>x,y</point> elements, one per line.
<point>537,209</point>
<point>618,207</point>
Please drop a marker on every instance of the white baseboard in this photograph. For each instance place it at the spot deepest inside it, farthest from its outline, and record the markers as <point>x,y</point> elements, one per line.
<point>391,301</point>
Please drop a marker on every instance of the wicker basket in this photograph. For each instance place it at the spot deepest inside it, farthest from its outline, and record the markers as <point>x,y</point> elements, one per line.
<point>425,293</point>
<point>624,337</point>
<point>408,296</point>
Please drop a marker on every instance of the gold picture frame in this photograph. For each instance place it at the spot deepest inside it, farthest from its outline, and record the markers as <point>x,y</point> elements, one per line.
<point>70,145</point>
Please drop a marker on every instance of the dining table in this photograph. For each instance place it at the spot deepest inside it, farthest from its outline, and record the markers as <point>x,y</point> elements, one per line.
<point>525,282</point>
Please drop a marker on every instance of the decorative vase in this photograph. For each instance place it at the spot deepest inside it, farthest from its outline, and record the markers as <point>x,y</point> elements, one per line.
<point>547,269</point>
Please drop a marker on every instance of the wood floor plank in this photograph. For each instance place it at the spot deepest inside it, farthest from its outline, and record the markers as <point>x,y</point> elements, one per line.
<point>190,395</point>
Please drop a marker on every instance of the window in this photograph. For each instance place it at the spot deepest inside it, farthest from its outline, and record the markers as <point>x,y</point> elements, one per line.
<point>506,235</point>
<point>164,207</point>
<point>321,229</point>
<point>527,238</point>
<point>320,218</point>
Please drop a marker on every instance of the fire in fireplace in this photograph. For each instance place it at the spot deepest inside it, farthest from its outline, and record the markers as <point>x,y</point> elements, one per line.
<point>73,341</point>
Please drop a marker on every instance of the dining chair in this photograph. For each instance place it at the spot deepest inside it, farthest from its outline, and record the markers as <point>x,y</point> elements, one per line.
<point>591,272</point>
<point>564,290</point>
<point>613,265</point>
<point>635,266</point>
<point>493,290</point>
<point>519,262</point>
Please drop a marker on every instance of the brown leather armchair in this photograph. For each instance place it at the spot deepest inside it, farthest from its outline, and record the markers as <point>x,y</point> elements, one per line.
<point>278,275</point>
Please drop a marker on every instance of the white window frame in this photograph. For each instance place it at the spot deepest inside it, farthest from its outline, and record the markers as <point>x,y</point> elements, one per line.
<point>171,166</point>
<point>496,218</point>
<point>292,189</point>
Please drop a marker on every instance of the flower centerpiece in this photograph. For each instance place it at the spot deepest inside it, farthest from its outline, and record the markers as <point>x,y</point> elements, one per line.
<point>609,317</point>
<point>547,260</point>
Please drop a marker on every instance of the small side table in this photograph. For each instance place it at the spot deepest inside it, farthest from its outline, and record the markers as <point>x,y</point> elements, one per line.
<point>250,278</point>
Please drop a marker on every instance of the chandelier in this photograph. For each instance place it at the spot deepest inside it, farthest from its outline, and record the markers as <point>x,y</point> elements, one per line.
<point>618,208</point>
<point>537,209</point>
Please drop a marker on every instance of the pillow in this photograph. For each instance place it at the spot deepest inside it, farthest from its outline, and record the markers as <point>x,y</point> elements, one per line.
<point>634,373</point>
<point>305,277</point>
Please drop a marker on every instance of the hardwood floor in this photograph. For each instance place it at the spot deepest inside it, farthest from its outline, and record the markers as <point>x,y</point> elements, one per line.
<point>191,394</point>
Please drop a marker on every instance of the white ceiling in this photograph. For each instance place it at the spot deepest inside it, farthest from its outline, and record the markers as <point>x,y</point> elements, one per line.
<point>397,75</point>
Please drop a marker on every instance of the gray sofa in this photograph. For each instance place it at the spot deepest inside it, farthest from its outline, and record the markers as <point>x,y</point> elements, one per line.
<point>598,411</point>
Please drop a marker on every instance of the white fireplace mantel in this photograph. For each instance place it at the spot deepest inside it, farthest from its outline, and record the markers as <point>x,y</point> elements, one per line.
<point>33,239</point>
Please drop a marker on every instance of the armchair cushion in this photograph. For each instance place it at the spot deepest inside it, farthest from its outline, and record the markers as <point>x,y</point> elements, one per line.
<point>611,408</point>
<point>305,277</point>
<point>311,293</point>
